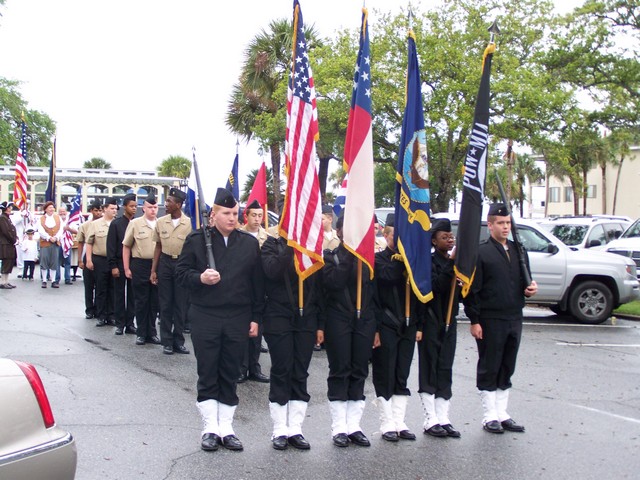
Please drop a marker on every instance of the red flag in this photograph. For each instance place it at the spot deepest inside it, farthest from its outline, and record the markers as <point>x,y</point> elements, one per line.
<point>301,219</point>
<point>20,185</point>
<point>358,230</point>
<point>259,189</point>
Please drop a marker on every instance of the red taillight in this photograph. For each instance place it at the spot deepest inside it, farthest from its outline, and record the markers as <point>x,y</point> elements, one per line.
<point>38,389</point>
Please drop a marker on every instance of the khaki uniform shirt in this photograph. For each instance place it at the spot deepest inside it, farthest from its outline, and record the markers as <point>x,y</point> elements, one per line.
<point>96,235</point>
<point>139,238</point>
<point>83,232</point>
<point>262,234</point>
<point>172,238</point>
<point>330,243</point>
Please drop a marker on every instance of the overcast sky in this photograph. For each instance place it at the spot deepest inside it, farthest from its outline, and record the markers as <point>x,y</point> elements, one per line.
<point>135,81</point>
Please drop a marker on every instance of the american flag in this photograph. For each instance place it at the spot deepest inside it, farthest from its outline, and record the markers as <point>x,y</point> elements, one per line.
<point>358,230</point>
<point>75,218</point>
<point>22,170</point>
<point>301,220</point>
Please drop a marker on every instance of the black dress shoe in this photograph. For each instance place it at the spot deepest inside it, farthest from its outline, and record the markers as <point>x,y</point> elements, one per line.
<point>436,431</point>
<point>154,339</point>
<point>242,378</point>
<point>341,440</point>
<point>210,442</point>
<point>299,442</point>
<point>101,322</point>
<point>167,350</point>
<point>451,432</point>
<point>359,438</point>
<point>231,442</point>
<point>111,321</point>
<point>493,427</point>
<point>390,436</point>
<point>130,329</point>
<point>181,349</point>
<point>512,426</point>
<point>406,435</point>
<point>280,443</point>
<point>119,331</point>
<point>140,341</point>
<point>259,377</point>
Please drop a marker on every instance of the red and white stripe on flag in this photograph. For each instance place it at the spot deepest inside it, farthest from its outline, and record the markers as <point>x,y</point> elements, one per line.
<point>301,219</point>
<point>358,231</point>
<point>22,171</point>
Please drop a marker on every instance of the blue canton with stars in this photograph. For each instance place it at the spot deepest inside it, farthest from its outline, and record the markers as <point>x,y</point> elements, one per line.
<point>300,79</point>
<point>362,75</point>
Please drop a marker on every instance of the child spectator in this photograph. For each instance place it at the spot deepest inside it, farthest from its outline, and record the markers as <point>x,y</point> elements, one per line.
<point>30,254</point>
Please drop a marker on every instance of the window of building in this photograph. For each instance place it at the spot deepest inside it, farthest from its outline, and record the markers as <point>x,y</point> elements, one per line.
<point>40,189</point>
<point>144,192</point>
<point>554,194</point>
<point>568,194</point>
<point>591,191</point>
<point>68,192</point>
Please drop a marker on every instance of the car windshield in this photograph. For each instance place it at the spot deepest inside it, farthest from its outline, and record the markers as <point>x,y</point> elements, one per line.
<point>633,230</point>
<point>570,234</point>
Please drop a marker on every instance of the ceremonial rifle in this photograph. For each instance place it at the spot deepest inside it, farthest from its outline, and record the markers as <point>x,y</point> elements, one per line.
<point>526,275</point>
<point>202,206</point>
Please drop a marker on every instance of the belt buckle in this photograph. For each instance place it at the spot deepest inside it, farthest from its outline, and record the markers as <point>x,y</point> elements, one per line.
<point>174,257</point>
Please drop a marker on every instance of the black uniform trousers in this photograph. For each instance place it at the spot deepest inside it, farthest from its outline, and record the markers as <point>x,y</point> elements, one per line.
<point>251,359</point>
<point>219,339</point>
<point>436,352</point>
<point>104,287</point>
<point>290,340</point>
<point>349,343</point>
<point>123,303</point>
<point>89,281</point>
<point>497,352</point>
<point>391,361</point>
<point>146,297</point>
<point>173,303</point>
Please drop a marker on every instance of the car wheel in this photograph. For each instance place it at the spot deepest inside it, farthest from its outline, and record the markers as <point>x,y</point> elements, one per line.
<point>591,302</point>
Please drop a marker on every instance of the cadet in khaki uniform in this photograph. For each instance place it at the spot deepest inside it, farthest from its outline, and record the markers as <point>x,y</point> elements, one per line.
<point>330,240</point>
<point>170,233</point>
<point>97,261</point>
<point>137,257</point>
<point>88,278</point>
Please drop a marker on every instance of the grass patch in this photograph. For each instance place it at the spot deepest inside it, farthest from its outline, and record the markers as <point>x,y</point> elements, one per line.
<point>631,308</point>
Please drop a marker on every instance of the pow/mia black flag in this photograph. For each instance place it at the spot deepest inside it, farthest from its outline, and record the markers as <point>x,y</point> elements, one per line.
<point>475,169</point>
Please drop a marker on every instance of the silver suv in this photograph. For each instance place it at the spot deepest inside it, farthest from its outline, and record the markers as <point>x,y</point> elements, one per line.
<point>586,284</point>
<point>586,231</point>
<point>628,245</point>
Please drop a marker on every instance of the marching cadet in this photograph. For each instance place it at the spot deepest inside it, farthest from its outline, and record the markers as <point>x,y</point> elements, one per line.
<point>494,307</point>
<point>290,336</point>
<point>391,361</point>
<point>330,239</point>
<point>97,262</point>
<point>250,368</point>
<point>137,257</point>
<point>438,346</point>
<point>225,308</point>
<point>170,234</point>
<point>88,278</point>
<point>349,341</point>
<point>124,304</point>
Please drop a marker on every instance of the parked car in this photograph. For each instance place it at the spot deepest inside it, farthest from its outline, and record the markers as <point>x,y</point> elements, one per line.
<point>628,245</point>
<point>32,446</point>
<point>586,231</point>
<point>586,284</point>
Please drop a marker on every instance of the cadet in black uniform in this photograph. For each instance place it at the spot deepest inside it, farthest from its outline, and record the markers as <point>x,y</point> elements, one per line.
<point>290,338</point>
<point>391,361</point>
<point>124,304</point>
<point>225,308</point>
<point>349,341</point>
<point>438,346</point>
<point>494,307</point>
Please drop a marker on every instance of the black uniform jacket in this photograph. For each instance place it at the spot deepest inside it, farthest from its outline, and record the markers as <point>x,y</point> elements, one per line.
<point>391,280</point>
<point>114,241</point>
<point>241,282</point>
<point>340,275</point>
<point>498,287</point>
<point>441,277</point>
<point>279,270</point>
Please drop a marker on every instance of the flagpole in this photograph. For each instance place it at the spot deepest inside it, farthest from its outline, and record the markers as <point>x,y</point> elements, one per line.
<point>300,295</point>
<point>407,301</point>
<point>450,306</point>
<point>359,290</point>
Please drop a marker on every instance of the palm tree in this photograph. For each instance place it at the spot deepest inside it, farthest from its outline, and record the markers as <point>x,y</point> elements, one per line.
<point>175,166</point>
<point>259,96</point>
<point>97,162</point>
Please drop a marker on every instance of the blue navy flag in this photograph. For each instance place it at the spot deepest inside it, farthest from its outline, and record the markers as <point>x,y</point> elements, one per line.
<point>232,181</point>
<point>475,168</point>
<point>50,192</point>
<point>412,224</point>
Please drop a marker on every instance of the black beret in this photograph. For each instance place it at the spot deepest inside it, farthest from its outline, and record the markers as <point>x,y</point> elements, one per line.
<point>151,199</point>
<point>95,205</point>
<point>391,220</point>
<point>224,198</point>
<point>327,209</point>
<point>254,205</point>
<point>499,209</point>
<point>177,194</point>
<point>111,201</point>
<point>440,225</point>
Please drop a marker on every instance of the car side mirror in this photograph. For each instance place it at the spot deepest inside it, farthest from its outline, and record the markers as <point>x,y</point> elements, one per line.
<point>594,243</point>
<point>552,248</point>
